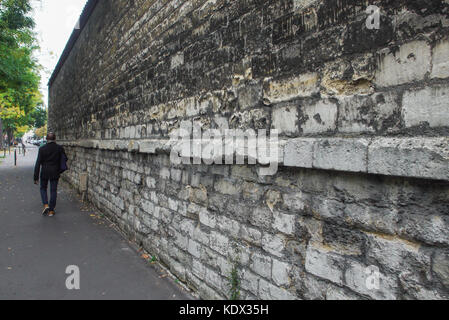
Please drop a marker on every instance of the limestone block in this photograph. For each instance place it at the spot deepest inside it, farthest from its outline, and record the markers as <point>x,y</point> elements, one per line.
<point>356,278</point>
<point>321,117</point>
<point>268,291</point>
<point>305,85</point>
<point>409,64</point>
<point>299,153</point>
<point>341,154</point>
<point>261,265</point>
<point>274,244</point>
<point>440,60</point>
<point>324,264</point>
<point>413,157</point>
<point>280,273</point>
<point>429,106</point>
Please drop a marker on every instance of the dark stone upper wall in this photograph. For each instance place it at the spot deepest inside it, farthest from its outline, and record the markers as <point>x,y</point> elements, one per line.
<point>136,61</point>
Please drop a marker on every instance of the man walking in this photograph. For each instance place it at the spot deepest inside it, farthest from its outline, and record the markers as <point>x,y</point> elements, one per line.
<point>49,159</point>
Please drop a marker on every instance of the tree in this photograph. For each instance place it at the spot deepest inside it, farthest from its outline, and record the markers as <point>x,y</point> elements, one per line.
<point>38,117</point>
<point>19,72</point>
<point>41,132</point>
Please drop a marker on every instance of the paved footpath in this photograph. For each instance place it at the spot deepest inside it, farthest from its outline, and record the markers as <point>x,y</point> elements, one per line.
<point>35,251</point>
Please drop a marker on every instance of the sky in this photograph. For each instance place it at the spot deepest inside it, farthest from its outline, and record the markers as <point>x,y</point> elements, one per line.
<point>55,21</point>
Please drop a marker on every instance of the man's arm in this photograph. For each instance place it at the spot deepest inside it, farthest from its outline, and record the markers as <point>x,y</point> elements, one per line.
<point>37,167</point>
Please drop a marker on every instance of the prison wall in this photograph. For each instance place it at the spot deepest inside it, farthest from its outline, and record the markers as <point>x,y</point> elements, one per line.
<point>362,188</point>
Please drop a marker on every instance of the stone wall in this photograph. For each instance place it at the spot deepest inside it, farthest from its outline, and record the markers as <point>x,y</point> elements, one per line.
<point>363,116</point>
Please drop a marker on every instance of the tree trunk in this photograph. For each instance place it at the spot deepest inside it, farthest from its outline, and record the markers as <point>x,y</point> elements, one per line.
<point>1,134</point>
<point>9,133</point>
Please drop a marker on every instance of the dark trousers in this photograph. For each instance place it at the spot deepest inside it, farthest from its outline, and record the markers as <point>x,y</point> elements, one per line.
<point>53,192</point>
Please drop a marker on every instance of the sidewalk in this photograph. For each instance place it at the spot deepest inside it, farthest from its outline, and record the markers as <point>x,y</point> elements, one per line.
<point>35,250</point>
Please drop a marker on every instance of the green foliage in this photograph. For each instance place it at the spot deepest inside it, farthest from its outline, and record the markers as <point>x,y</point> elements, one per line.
<point>38,117</point>
<point>234,281</point>
<point>41,132</point>
<point>19,71</point>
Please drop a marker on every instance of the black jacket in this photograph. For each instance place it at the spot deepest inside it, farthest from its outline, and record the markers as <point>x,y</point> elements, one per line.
<point>50,159</point>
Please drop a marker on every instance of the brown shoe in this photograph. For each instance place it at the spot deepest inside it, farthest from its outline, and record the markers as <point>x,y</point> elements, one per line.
<point>46,210</point>
<point>51,214</point>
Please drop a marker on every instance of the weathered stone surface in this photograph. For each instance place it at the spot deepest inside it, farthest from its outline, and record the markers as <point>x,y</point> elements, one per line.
<point>273,244</point>
<point>320,117</point>
<point>250,282</point>
<point>207,218</point>
<point>337,294</point>
<point>375,113</point>
<point>398,255</point>
<point>227,187</point>
<point>250,96</point>
<point>261,217</point>
<point>285,120</point>
<point>415,290</point>
<point>324,264</point>
<point>299,153</point>
<point>341,154</point>
<point>428,106</point>
<point>267,291</point>
<point>410,63</point>
<point>251,235</point>
<point>415,157</point>
<point>284,223</point>
<point>356,277</point>
<point>261,265</point>
<point>291,88</point>
<point>441,266</point>
<point>440,63</point>
<point>280,273</point>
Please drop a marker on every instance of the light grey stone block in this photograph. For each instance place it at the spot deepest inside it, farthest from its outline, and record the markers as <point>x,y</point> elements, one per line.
<point>273,244</point>
<point>412,157</point>
<point>299,153</point>
<point>341,154</point>
<point>261,264</point>
<point>285,120</point>
<point>321,117</point>
<point>429,105</point>
<point>324,264</point>
<point>410,63</point>
<point>440,60</point>
<point>356,278</point>
<point>280,273</point>
<point>268,291</point>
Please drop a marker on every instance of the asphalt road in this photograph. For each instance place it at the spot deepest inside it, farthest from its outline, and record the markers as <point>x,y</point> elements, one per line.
<point>35,251</point>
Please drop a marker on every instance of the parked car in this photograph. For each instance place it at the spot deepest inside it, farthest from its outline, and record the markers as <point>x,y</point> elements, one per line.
<point>39,142</point>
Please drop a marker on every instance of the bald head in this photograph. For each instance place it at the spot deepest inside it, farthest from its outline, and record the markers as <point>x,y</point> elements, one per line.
<point>51,136</point>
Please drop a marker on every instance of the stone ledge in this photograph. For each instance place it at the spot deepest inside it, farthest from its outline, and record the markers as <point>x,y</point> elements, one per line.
<point>426,158</point>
